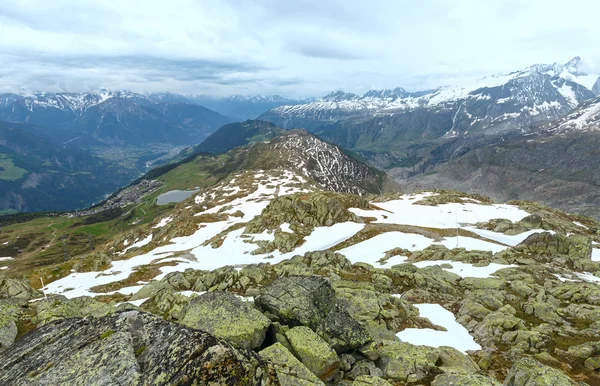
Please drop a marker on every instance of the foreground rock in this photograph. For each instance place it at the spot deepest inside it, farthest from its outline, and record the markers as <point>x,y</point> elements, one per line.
<point>128,348</point>
<point>226,316</point>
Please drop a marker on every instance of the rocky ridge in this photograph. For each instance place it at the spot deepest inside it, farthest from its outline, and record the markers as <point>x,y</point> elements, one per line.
<point>319,317</point>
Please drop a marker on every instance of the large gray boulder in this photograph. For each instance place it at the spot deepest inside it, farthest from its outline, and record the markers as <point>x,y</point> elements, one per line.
<point>297,300</point>
<point>310,301</point>
<point>128,348</point>
<point>228,317</point>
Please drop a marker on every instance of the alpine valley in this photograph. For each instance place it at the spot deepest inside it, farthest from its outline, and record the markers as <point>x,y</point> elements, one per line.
<point>442,237</point>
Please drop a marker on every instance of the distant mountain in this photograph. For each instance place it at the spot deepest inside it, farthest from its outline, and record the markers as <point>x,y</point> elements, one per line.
<point>586,117</point>
<point>38,175</point>
<point>234,135</point>
<point>242,107</point>
<point>380,120</point>
<point>112,118</point>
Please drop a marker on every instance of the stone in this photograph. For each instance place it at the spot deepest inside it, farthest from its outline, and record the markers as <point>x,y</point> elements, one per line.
<point>342,332</point>
<point>17,288</point>
<point>592,363</point>
<point>297,300</point>
<point>313,352</point>
<point>367,380</point>
<point>8,327</point>
<point>364,367</point>
<point>529,372</point>
<point>166,303</point>
<point>450,359</point>
<point>464,379</point>
<point>290,371</point>
<point>226,316</point>
<point>128,348</point>
<point>405,362</point>
<point>59,307</point>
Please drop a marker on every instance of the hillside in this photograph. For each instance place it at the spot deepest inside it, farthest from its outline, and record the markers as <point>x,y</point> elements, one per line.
<point>37,175</point>
<point>236,134</point>
<point>553,162</point>
<point>437,287</point>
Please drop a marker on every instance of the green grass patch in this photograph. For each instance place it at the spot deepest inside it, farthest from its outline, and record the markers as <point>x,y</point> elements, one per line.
<point>8,170</point>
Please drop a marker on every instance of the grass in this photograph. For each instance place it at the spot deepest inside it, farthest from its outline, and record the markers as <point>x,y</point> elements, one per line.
<point>8,170</point>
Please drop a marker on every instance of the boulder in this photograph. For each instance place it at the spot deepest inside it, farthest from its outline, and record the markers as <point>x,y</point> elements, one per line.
<point>166,303</point>
<point>290,371</point>
<point>226,316</point>
<point>342,332</point>
<point>128,348</point>
<point>313,352</point>
<point>59,307</point>
<point>367,380</point>
<point>405,362</point>
<point>463,379</point>
<point>17,288</point>
<point>297,300</point>
<point>529,372</point>
<point>9,311</point>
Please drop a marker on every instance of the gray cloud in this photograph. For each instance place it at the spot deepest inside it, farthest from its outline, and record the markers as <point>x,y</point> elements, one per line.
<point>301,47</point>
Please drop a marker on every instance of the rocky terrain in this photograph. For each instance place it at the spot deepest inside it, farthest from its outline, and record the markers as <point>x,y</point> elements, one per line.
<point>279,273</point>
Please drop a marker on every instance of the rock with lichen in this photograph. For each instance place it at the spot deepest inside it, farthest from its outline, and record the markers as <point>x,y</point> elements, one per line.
<point>226,316</point>
<point>128,348</point>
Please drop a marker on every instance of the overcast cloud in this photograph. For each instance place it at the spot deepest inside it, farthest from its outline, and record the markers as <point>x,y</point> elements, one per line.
<point>288,47</point>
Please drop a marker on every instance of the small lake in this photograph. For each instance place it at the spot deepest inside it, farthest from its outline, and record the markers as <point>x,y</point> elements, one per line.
<point>174,196</point>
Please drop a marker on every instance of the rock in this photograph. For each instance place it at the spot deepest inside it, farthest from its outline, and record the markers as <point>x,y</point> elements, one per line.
<point>450,359</point>
<point>297,300</point>
<point>367,380</point>
<point>364,368</point>
<point>408,363</point>
<point>166,303</point>
<point>226,316</point>
<point>290,371</point>
<point>592,363</point>
<point>463,379</point>
<point>529,372</point>
<point>313,352</point>
<point>17,288</point>
<point>128,348</point>
<point>342,332</point>
<point>9,311</point>
<point>59,307</point>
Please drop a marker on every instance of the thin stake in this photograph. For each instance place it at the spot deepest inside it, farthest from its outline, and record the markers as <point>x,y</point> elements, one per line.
<point>456,222</point>
<point>44,292</point>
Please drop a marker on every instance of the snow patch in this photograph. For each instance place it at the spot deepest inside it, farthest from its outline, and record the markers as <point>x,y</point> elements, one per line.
<point>456,335</point>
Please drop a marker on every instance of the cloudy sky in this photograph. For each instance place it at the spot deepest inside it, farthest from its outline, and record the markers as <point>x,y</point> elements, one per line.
<point>289,47</point>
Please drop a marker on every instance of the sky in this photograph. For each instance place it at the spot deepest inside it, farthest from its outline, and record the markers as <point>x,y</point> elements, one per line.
<point>289,47</point>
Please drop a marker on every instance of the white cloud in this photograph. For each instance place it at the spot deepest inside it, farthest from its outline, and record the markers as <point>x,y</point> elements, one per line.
<point>301,47</point>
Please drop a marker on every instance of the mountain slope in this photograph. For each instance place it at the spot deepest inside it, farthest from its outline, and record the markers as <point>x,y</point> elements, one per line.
<point>558,170</point>
<point>37,175</point>
<point>113,118</point>
<point>233,135</point>
<point>444,277</point>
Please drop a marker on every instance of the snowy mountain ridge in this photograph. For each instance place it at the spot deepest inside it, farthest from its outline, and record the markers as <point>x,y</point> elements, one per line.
<point>539,91</point>
<point>585,118</point>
